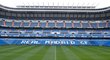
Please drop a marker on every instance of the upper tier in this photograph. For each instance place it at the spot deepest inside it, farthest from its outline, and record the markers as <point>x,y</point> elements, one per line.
<point>54,13</point>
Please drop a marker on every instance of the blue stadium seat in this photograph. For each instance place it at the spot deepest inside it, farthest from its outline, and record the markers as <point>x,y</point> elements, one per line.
<point>60,24</point>
<point>13,34</point>
<point>51,25</point>
<point>34,24</point>
<point>43,24</point>
<point>102,24</point>
<point>17,24</point>
<point>94,25</point>
<point>109,24</point>
<point>68,25</point>
<point>25,24</point>
<point>1,23</point>
<point>77,25</point>
<point>85,25</point>
<point>9,24</point>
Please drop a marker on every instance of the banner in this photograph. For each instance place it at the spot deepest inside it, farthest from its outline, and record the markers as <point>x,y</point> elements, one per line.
<point>59,42</point>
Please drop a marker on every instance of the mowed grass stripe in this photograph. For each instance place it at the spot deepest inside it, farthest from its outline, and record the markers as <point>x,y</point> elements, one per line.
<point>40,54</point>
<point>94,49</point>
<point>5,51</point>
<point>10,48</point>
<point>5,46</point>
<point>17,52</point>
<point>102,48</point>
<point>69,54</point>
<point>60,55</point>
<point>81,53</point>
<point>29,53</point>
<point>50,54</point>
<point>91,53</point>
<point>100,54</point>
<point>95,54</point>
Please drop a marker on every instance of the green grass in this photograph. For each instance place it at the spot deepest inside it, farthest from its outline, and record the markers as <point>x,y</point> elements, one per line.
<point>13,52</point>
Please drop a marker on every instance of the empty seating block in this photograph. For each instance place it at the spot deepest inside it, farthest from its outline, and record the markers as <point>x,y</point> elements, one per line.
<point>94,25</point>
<point>43,24</point>
<point>25,24</point>
<point>1,23</point>
<point>109,24</point>
<point>34,24</point>
<point>68,25</point>
<point>60,24</point>
<point>102,25</point>
<point>85,25</point>
<point>9,24</point>
<point>17,24</point>
<point>51,25</point>
<point>77,25</point>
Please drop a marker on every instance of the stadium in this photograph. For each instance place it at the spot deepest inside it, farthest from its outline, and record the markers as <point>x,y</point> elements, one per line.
<point>54,33</point>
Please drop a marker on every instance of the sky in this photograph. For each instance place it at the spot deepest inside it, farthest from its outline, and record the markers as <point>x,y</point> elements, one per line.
<point>97,3</point>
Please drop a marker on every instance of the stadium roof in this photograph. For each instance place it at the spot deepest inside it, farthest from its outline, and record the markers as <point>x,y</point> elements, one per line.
<point>95,4</point>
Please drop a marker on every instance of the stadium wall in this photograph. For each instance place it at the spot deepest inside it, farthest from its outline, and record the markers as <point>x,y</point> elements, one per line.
<point>67,42</point>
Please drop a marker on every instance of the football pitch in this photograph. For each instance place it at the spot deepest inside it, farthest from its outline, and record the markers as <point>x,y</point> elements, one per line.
<point>13,52</point>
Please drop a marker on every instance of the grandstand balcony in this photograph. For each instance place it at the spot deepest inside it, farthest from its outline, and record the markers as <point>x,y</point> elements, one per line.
<point>54,24</point>
<point>55,33</point>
